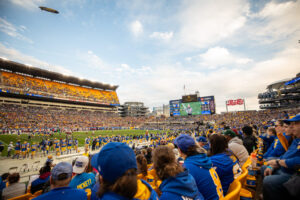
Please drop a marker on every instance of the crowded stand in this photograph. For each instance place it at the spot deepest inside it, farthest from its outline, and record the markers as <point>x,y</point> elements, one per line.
<point>23,84</point>
<point>223,160</point>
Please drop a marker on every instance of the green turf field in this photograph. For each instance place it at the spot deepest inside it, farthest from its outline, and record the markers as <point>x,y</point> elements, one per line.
<point>79,135</point>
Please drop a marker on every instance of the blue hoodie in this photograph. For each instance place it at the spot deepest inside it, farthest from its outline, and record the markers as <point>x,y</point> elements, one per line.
<point>292,157</point>
<point>208,182</point>
<point>114,196</point>
<point>224,167</point>
<point>182,186</point>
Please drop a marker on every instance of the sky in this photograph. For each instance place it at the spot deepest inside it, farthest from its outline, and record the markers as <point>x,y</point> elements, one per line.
<point>153,48</point>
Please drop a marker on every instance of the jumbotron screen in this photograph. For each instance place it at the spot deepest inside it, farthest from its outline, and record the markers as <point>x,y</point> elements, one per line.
<point>204,106</point>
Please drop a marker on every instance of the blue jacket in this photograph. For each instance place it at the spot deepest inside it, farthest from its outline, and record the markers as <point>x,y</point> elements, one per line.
<point>276,149</point>
<point>268,140</point>
<point>200,167</point>
<point>292,157</point>
<point>63,193</point>
<point>183,186</point>
<point>114,196</point>
<point>224,168</point>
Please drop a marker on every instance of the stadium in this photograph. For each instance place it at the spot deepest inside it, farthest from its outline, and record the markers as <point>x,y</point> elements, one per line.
<point>62,117</point>
<point>281,94</point>
<point>136,127</point>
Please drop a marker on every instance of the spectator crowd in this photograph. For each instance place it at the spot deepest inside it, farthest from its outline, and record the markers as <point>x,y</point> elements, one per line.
<point>179,165</point>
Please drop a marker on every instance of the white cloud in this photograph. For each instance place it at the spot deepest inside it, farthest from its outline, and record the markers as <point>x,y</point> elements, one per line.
<point>276,22</point>
<point>12,30</point>
<point>136,28</point>
<point>15,55</point>
<point>162,35</point>
<point>207,22</point>
<point>219,56</point>
<point>92,60</point>
<point>29,4</point>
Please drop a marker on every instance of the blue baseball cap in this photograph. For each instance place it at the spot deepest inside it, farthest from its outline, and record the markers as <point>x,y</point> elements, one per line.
<point>113,160</point>
<point>184,141</point>
<point>201,139</point>
<point>294,119</point>
<point>61,168</point>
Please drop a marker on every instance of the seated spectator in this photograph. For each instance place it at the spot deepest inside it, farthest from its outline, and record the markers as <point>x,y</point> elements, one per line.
<point>249,140</point>
<point>39,183</point>
<point>236,146</point>
<point>279,171</point>
<point>202,141</point>
<point>276,149</point>
<point>3,182</point>
<point>61,176</point>
<point>177,183</point>
<point>82,179</point>
<point>14,188</point>
<point>200,167</point>
<point>268,138</point>
<point>221,160</point>
<point>117,167</point>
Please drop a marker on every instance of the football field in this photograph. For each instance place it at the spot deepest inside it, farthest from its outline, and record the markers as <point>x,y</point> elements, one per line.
<point>6,139</point>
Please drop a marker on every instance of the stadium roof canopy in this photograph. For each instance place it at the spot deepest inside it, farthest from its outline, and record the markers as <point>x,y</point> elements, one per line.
<point>278,84</point>
<point>37,72</point>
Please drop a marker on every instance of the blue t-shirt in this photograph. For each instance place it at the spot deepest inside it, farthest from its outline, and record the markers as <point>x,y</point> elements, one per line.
<point>83,181</point>
<point>224,168</point>
<point>63,193</point>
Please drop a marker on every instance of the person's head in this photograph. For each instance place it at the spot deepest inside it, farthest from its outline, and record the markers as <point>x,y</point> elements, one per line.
<point>117,167</point>
<point>288,129</point>
<point>295,125</point>
<point>279,126</point>
<point>45,169</point>
<point>142,164</point>
<point>4,176</point>
<point>218,144</point>
<point>13,178</point>
<point>229,134</point>
<point>202,141</point>
<point>247,130</point>
<point>61,175</point>
<point>164,162</point>
<point>80,164</point>
<point>271,131</point>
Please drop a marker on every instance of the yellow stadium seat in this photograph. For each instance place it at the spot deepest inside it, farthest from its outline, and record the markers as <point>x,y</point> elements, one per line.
<point>36,194</point>
<point>234,191</point>
<point>22,197</point>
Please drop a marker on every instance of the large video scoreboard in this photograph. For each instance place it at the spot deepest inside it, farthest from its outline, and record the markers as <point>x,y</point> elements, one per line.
<point>191,106</point>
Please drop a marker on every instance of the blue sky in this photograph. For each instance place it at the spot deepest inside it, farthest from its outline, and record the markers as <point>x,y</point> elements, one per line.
<point>151,48</point>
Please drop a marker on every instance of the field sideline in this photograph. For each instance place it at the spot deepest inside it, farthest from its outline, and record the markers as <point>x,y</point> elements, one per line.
<point>79,135</point>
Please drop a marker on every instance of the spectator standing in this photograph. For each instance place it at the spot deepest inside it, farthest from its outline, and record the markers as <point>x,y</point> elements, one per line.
<point>10,149</point>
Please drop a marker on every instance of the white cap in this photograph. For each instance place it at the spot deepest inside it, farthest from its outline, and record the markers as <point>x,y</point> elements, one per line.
<point>80,164</point>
